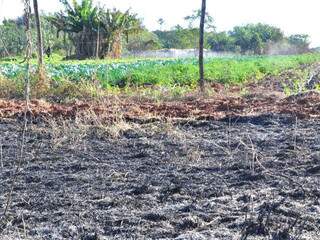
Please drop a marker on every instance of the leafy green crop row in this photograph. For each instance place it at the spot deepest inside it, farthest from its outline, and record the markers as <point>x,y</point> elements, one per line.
<point>171,72</point>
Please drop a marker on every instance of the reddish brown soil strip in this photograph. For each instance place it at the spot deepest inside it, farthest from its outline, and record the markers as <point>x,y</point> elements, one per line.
<point>218,107</point>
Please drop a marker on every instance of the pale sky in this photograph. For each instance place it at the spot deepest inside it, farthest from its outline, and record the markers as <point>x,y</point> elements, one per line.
<point>292,16</point>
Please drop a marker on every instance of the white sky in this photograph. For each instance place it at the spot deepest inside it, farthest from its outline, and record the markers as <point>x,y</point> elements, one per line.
<point>292,16</point>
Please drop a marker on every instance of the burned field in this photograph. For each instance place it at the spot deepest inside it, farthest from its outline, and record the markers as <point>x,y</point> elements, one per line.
<point>230,165</point>
<point>98,141</point>
<point>236,178</point>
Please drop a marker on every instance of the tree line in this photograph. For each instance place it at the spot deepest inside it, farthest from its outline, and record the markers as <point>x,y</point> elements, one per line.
<point>249,39</point>
<point>83,30</point>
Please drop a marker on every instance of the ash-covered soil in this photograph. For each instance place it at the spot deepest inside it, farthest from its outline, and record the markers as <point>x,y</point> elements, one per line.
<point>244,178</point>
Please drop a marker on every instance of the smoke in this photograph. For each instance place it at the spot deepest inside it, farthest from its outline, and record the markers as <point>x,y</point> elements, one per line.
<point>283,48</point>
<point>176,53</point>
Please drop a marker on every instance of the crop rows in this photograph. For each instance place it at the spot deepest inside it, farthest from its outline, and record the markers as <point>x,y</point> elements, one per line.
<point>171,72</point>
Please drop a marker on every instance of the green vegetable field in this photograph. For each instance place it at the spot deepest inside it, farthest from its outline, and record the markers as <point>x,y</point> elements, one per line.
<point>163,72</point>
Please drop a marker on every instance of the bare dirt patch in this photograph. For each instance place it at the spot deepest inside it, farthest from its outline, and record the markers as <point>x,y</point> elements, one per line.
<point>305,105</point>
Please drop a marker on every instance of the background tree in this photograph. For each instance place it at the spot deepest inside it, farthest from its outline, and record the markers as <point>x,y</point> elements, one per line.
<point>143,41</point>
<point>195,17</point>
<point>180,38</point>
<point>254,37</point>
<point>90,27</point>
<point>13,38</point>
<point>193,23</point>
<point>80,23</point>
<point>88,31</point>
<point>117,27</point>
<point>221,42</point>
<point>300,42</point>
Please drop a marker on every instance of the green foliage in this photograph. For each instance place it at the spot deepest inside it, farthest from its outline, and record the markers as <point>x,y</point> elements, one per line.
<point>194,20</point>
<point>12,40</point>
<point>116,25</point>
<point>258,39</point>
<point>179,38</point>
<point>167,73</point>
<point>297,84</point>
<point>143,41</point>
<point>185,38</point>
<point>221,42</point>
<point>254,37</point>
<point>300,41</point>
<point>80,23</point>
<point>83,30</point>
<point>95,31</point>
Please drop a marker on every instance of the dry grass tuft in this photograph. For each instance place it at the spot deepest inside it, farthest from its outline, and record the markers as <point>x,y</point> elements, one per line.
<point>41,86</point>
<point>75,133</point>
<point>10,88</point>
<point>69,90</point>
<point>66,132</point>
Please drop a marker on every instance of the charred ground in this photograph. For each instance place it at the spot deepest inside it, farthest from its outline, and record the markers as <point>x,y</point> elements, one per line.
<point>253,177</point>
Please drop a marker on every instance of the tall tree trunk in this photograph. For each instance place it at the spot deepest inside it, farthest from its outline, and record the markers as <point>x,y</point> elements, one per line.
<point>201,44</point>
<point>98,43</point>
<point>42,85</point>
<point>39,34</point>
<point>27,13</point>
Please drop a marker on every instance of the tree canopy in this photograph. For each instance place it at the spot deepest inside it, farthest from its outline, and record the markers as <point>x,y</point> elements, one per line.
<point>85,30</point>
<point>90,27</point>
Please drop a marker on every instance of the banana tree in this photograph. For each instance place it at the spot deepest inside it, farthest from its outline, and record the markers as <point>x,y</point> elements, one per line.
<point>81,23</point>
<point>118,25</point>
<point>95,32</point>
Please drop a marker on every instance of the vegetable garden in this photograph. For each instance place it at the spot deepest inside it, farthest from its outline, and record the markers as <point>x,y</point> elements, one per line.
<point>163,72</point>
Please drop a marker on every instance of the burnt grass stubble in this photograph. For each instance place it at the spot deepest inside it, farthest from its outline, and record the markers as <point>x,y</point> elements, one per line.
<point>244,178</point>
